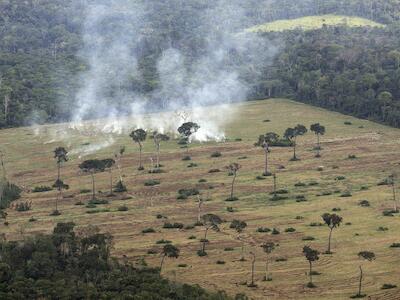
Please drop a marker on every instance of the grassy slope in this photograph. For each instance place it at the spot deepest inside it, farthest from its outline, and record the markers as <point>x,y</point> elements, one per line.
<point>314,22</point>
<point>30,163</point>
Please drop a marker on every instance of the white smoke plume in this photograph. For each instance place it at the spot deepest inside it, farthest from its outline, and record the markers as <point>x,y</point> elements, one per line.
<point>197,90</point>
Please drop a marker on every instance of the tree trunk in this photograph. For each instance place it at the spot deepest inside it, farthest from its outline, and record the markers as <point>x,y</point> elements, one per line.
<point>394,195</point>
<point>274,185</point>
<point>93,187</point>
<point>158,156</point>
<point>310,273</point>
<point>140,156</point>
<point>205,240</point>
<point>329,241</point>
<point>294,150</point>
<point>361,278</point>
<point>162,263</point>
<point>266,269</point>
<point>233,183</point>
<point>266,162</point>
<point>252,269</point>
<point>318,146</point>
<point>111,182</point>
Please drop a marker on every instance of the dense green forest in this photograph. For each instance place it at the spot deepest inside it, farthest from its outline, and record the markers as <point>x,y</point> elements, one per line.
<point>355,71</point>
<point>77,264</point>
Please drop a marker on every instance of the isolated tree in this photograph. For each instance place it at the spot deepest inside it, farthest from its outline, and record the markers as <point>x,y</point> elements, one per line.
<point>233,170</point>
<point>369,256</point>
<point>392,181</point>
<point>333,221</point>
<point>311,255</point>
<point>253,262</point>
<point>186,130</point>
<point>61,156</point>
<point>291,134</point>
<point>319,130</point>
<point>92,166</point>
<point>239,226</point>
<point>139,136</point>
<point>118,157</point>
<point>200,202</point>
<point>210,221</point>
<point>265,141</point>
<point>158,138</point>
<point>108,165</point>
<point>169,250</point>
<point>268,248</point>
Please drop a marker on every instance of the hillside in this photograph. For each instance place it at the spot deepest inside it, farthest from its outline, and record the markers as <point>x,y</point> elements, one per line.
<point>356,156</point>
<point>313,22</point>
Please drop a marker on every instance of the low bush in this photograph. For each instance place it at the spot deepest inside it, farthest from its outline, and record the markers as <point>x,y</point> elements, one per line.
<point>152,182</point>
<point>42,188</point>
<point>148,230</point>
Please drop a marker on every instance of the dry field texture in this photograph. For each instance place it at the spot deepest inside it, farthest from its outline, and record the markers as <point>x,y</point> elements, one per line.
<point>356,156</point>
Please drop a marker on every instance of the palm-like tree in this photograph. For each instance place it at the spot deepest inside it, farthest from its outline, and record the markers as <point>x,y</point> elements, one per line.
<point>233,170</point>
<point>139,136</point>
<point>311,255</point>
<point>92,166</point>
<point>291,134</point>
<point>61,156</point>
<point>268,248</point>
<point>239,226</point>
<point>369,256</point>
<point>108,165</point>
<point>210,221</point>
<point>319,130</point>
<point>158,138</point>
<point>169,250</point>
<point>333,221</point>
<point>265,141</point>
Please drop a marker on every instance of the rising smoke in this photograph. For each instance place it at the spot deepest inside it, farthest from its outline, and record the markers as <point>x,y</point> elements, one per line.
<point>116,32</point>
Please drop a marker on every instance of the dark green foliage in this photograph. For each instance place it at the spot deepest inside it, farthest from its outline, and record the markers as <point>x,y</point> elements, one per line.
<point>214,171</point>
<point>290,229</point>
<point>186,158</point>
<point>161,242</point>
<point>73,266</point>
<point>340,177</point>
<point>364,203</point>
<point>275,231</point>
<point>216,154</point>
<point>263,229</point>
<point>186,193</point>
<point>98,202</point>
<point>148,230</point>
<point>120,187</point>
<point>23,206</point>
<point>173,225</point>
<point>395,245</point>
<point>151,182</point>
<point>220,262</point>
<point>123,208</point>
<point>11,192</point>
<point>387,286</point>
<point>42,188</point>
<point>308,238</point>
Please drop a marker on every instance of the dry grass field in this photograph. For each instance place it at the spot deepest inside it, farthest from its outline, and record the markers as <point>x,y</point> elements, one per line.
<point>30,163</point>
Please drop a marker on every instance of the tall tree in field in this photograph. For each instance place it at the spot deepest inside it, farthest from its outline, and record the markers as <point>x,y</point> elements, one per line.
<point>158,138</point>
<point>333,221</point>
<point>186,130</point>
<point>139,136</point>
<point>268,248</point>
<point>169,250</point>
<point>319,130</point>
<point>233,170</point>
<point>392,181</point>
<point>92,166</point>
<point>265,141</point>
<point>118,157</point>
<point>108,165</point>
<point>253,262</point>
<point>210,221</point>
<point>291,134</point>
<point>239,227</point>
<point>312,256</point>
<point>369,256</point>
<point>61,156</point>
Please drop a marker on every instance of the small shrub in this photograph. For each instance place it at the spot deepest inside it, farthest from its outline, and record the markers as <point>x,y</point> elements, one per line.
<point>275,231</point>
<point>188,227</point>
<point>97,211</point>
<point>267,121</point>
<point>228,249</point>
<point>161,242</point>
<point>120,187</point>
<point>320,168</point>
<point>381,228</point>
<point>201,253</point>
<point>123,208</point>
<point>220,262</point>
<point>214,171</point>
<point>364,203</point>
<point>23,206</point>
<point>32,219</point>
<point>173,225</point>
<point>156,171</point>
<point>290,229</point>
<point>231,199</point>
<point>182,265</point>
<point>347,123</point>
<point>313,183</point>
<point>42,188</point>
<point>242,157</point>
<point>385,181</point>
<point>352,156</point>
<point>300,184</point>
<point>348,223</point>
<point>387,286</point>
<point>316,224</point>
<point>308,238</point>
<point>388,213</point>
<point>148,230</point>
<point>202,180</point>
<point>192,165</point>
<point>192,237</point>
<point>79,203</point>
<point>280,192</point>
<point>263,229</point>
<point>395,245</point>
<point>91,205</point>
<point>230,209</point>
<point>278,198</point>
<point>341,177</point>
<point>301,198</point>
<point>152,182</point>
<point>84,191</point>
<point>216,154</point>
<point>186,193</point>
<point>364,188</point>
<point>299,218</point>
<point>238,140</point>
<point>186,158</point>
<point>55,213</point>
<point>151,251</point>
<point>98,201</point>
<point>260,178</point>
<point>281,259</point>
<point>346,194</point>
<point>336,209</point>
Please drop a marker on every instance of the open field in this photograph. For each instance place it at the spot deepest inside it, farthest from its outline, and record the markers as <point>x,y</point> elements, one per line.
<point>314,22</point>
<point>30,163</point>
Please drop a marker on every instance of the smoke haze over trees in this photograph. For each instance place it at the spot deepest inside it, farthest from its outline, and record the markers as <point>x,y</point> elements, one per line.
<point>72,60</point>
